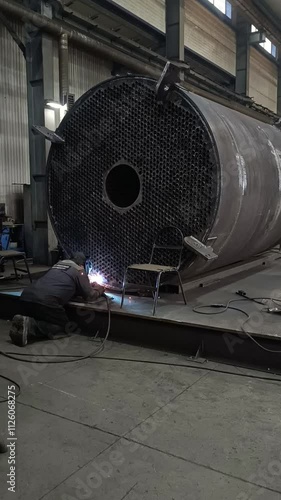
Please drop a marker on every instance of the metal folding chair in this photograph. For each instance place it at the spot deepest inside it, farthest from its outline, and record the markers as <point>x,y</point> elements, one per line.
<point>168,240</point>
<point>14,256</point>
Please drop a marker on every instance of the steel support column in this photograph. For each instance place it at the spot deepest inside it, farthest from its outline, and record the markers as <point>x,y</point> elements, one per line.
<point>242,55</point>
<point>39,67</point>
<point>175,30</point>
<point>279,85</point>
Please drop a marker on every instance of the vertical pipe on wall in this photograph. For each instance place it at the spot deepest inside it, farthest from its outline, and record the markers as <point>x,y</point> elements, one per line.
<point>63,68</point>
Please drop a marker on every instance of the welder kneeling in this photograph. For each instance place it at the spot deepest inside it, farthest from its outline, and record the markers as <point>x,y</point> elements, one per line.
<point>43,302</point>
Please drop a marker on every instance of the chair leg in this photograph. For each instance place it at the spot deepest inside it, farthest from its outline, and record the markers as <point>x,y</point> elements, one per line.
<point>15,269</point>
<point>150,283</point>
<point>123,288</point>
<point>156,293</point>
<point>27,269</point>
<point>181,287</point>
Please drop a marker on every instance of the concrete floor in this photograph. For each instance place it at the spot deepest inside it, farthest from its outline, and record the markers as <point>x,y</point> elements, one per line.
<point>114,430</point>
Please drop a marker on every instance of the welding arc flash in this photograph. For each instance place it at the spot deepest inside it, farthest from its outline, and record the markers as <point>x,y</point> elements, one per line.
<point>95,277</point>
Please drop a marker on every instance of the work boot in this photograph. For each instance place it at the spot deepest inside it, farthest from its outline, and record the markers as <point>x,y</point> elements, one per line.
<point>3,447</point>
<point>20,330</point>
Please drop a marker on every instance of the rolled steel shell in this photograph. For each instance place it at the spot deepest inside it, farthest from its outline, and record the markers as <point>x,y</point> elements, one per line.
<point>131,165</point>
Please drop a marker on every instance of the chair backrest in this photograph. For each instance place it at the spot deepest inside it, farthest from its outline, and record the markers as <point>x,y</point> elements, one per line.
<point>168,247</point>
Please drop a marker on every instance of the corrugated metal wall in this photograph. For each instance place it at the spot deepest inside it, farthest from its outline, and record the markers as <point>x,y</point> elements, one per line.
<point>210,37</point>
<point>151,11</point>
<point>86,70</point>
<point>205,33</point>
<point>263,80</point>
<point>14,149</point>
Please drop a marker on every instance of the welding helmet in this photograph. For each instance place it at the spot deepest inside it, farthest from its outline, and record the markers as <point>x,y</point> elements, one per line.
<point>79,258</point>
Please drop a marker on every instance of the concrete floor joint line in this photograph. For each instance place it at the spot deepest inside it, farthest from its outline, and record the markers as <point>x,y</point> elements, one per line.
<point>80,468</point>
<point>207,467</point>
<point>70,420</point>
<point>169,402</point>
<point>128,492</point>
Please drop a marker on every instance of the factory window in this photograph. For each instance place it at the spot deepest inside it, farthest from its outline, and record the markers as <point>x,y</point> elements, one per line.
<point>267,45</point>
<point>224,6</point>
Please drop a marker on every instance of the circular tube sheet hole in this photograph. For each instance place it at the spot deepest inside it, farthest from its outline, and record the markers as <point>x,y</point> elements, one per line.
<point>122,186</point>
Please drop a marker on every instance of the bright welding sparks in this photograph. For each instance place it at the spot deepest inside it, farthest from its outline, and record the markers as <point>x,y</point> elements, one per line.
<point>95,277</point>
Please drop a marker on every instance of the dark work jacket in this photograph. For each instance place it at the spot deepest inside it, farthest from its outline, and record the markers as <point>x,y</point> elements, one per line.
<point>63,282</point>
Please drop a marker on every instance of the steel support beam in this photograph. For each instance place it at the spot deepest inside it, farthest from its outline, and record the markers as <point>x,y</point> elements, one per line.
<point>195,81</point>
<point>242,55</point>
<point>175,30</point>
<point>39,68</point>
<point>57,28</point>
<point>255,13</point>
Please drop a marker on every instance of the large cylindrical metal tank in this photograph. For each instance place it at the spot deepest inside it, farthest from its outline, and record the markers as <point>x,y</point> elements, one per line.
<point>131,165</point>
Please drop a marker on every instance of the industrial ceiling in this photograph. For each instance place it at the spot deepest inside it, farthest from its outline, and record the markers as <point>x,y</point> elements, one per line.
<point>274,6</point>
<point>112,19</point>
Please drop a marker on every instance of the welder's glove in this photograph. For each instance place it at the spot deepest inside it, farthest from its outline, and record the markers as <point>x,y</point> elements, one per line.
<point>98,288</point>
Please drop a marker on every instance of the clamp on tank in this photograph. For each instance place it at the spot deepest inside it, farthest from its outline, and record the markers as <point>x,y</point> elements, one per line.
<point>170,77</point>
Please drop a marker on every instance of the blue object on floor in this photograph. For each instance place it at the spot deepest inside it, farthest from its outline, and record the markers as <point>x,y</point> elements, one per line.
<point>15,293</point>
<point>5,238</point>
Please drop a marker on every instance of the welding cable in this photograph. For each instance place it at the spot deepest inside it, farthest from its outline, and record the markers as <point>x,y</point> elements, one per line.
<point>176,365</point>
<point>94,353</point>
<point>13,383</point>
<point>225,307</point>
<point>182,365</point>
<point>258,300</point>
